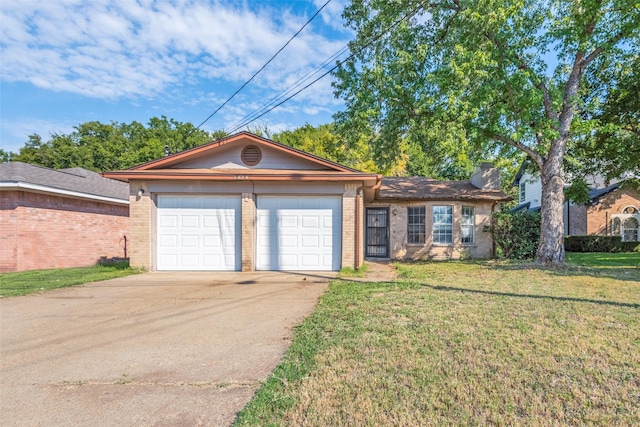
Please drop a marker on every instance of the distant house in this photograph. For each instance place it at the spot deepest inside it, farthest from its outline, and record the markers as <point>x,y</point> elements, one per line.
<point>248,203</point>
<point>60,218</point>
<point>612,209</point>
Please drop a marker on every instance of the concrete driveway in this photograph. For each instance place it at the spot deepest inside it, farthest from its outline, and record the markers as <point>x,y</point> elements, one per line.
<point>156,349</point>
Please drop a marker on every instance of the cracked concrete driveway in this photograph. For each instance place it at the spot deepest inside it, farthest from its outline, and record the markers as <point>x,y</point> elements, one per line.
<point>156,349</point>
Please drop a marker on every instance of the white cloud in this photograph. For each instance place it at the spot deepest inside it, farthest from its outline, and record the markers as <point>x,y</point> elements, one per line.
<point>115,49</point>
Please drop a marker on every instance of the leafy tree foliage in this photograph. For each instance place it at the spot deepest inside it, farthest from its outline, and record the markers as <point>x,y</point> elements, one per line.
<point>478,79</point>
<point>613,149</point>
<point>103,147</point>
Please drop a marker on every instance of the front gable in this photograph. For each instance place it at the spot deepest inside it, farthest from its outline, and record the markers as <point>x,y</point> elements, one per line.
<point>243,151</point>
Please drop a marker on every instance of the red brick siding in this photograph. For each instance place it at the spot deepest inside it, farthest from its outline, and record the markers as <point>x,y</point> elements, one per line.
<point>599,215</point>
<point>47,231</point>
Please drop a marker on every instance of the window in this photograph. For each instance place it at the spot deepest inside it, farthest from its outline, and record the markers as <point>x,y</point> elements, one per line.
<point>630,230</point>
<point>443,224</point>
<point>416,224</point>
<point>523,192</point>
<point>468,229</point>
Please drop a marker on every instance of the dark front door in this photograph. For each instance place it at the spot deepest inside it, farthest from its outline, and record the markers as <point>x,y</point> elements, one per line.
<point>377,234</point>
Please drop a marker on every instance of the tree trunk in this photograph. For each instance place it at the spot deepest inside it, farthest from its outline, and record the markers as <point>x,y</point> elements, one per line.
<point>551,247</point>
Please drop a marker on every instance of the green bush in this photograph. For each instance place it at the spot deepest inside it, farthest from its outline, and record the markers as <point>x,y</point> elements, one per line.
<point>599,244</point>
<point>516,235</point>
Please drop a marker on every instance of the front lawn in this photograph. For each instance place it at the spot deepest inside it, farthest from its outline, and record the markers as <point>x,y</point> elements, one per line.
<point>27,282</point>
<point>458,343</point>
<point>604,259</point>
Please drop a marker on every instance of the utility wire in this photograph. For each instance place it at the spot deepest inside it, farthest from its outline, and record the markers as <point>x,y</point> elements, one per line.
<point>263,67</point>
<point>407,16</point>
<point>250,117</point>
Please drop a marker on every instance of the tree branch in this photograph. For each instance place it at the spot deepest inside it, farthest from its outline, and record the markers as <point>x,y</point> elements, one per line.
<point>512,142</point>
<point>524,65</point>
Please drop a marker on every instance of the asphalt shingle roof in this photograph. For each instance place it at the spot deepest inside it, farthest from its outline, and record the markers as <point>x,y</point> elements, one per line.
<point>73,179</point>
<point>421,188</point>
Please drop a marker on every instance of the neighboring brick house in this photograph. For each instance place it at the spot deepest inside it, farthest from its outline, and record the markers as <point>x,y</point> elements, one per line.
<point>60,218</point>
<point>248,203</point>
<point>611,210</point>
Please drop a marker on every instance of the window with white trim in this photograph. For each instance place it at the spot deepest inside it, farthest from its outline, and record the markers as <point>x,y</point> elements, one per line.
<point>443,225</point>
<point>627,224</point>
<point>416,224</point>
<point>523,192</point>
<point>468,225</point>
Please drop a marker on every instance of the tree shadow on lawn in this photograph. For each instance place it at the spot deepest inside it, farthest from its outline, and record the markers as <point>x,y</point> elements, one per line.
<point>511,294</point>
<point>616,273</point>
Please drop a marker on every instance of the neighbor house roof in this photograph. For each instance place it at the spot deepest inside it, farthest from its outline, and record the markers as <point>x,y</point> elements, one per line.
<point>596,193</point>
<point>71,182</point>
<point>421,188</point>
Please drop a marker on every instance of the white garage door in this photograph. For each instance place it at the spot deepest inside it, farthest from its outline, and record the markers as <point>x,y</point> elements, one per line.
<point>299,233</point>
<point>198,233</point>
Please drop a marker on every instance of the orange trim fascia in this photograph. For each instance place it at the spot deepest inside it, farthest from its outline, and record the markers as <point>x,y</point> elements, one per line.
<point>127,175</point>
<point>232,138</point>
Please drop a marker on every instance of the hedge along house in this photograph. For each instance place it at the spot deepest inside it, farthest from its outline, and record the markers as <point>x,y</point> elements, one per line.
<point>248,203</point>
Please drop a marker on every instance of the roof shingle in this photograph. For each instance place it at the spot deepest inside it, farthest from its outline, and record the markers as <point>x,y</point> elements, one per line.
<point>73,179</point>
<point>421,188</point>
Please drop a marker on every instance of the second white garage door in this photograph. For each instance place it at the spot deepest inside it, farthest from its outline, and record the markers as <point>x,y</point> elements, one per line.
<point>299,233</point>
<point>198,232</point>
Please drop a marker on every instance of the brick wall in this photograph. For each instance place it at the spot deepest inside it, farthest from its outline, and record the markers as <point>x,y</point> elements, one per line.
<point>599,215</point>
<point>577,220</point>
<point>400,249</point>
<point>349,225</point>
<point>42,231</point>
<point>141,222</point>
<point>248,231</point>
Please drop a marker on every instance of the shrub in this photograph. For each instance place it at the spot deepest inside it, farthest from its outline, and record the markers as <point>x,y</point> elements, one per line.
<point>599,244</point>
<point>516,235</point>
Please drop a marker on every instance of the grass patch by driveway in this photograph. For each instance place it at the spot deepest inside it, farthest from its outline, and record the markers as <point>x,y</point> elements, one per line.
<point>464,344</point>
<point>27,282</point>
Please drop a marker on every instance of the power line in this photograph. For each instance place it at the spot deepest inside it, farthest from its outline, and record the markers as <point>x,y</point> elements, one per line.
<point>270,108</point>
<point>263,67</point>
<point>250,117</point>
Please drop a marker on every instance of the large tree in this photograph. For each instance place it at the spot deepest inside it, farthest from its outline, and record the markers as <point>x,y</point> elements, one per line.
<point>485,77</point>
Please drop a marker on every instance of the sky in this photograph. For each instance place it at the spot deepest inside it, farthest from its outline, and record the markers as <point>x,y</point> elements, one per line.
<point>66,62</point>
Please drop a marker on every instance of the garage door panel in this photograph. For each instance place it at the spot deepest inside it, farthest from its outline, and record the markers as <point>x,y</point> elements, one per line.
<point>310,242</point>
<point>187,241</point>
<point>198,232</point>
<point>297,233</point>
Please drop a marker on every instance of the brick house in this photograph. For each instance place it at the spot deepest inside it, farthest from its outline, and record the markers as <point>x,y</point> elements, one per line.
<point>248,203</point>
<point>59,218</point>
<point>612,209</point>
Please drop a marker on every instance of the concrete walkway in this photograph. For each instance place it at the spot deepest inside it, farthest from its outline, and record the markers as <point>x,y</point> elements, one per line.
<point>157,349</point>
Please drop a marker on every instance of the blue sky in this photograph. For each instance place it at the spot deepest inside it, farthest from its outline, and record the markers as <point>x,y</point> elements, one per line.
<point>65,62</point>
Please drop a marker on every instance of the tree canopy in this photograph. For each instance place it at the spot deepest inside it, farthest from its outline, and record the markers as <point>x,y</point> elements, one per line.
<point>485,79</point>
<point>104,147</point>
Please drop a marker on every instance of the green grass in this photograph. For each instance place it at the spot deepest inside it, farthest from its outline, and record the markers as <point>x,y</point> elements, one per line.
<point>347,272</point>
<point>603,259</point>
<point>458,343</point>
<point>27,282</point>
